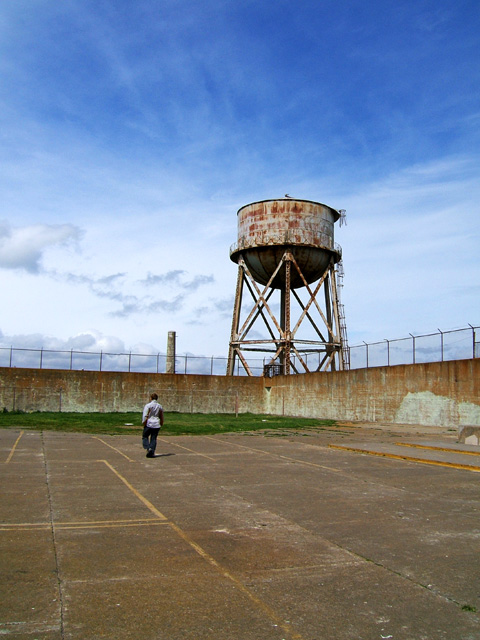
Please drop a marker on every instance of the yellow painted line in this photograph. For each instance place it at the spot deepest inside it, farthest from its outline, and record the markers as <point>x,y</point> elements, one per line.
<point>432,448</point>
<point>23,526</point>
<point>114,522</point>
<point>285,626</point>
<point>187,449</point>
<point>146,502</point>
<point>394,456</point>
<point>110,526</point>
<point>278,455</point>
<point>13,448</point>
<point>117,450</point>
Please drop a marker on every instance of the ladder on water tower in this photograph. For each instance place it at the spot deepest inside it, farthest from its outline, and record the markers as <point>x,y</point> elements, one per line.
<point>341,316</point>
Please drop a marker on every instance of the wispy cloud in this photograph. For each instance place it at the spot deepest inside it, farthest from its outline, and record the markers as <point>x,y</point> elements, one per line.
<point>141,306</point>
<point>176,279</point>
<point>92,340</point>
<point>23,247</point>
<point>169,278</point>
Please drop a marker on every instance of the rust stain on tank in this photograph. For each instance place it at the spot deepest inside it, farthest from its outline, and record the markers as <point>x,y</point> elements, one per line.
<point>265,228</point>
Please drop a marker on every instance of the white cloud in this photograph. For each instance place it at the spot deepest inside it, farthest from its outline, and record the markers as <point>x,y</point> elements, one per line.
<point>23,247</point>
<point>90,341</point>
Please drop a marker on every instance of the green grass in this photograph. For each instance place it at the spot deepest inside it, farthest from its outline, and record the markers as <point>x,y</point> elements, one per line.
<point>468,607</point>
<point>175,423</point>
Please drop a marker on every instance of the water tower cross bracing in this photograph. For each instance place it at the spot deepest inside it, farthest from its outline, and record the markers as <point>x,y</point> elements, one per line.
<point>287,302</point>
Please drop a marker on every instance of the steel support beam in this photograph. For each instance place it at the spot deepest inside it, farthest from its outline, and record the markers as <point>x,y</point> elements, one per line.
<point>284,345</point>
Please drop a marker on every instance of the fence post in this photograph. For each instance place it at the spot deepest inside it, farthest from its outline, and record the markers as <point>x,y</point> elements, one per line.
<point>413,343</point>
<point>388,352</point>
<point>473,340</point>
<point>41,357</point>
<point>441,344</point>
<point>101,356</point>
<point>366,351</point>
<point>11,354</point>
<point>71,359</point>
<point>186,358</point>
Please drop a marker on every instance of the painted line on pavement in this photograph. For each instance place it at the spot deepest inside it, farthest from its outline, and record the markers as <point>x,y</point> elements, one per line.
<point>146,502</point>
<point>187,449</point>
<point>245,590</point>
<point>279,455</point>
<point>394,456</point>
<point>14,447</point>
<point>285,626</point>
<point>111,526</point>
<point>432,448</point>
<point>100,524</point>
<point>117,450</point>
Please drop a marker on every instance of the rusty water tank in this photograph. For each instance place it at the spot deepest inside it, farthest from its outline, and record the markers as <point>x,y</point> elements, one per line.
<point>269,227</point>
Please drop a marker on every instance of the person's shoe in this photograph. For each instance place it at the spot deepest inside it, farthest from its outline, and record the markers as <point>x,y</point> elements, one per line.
<point>150,454</point>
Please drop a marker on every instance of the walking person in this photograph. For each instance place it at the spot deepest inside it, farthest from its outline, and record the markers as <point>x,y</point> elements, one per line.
<point>152,420</point>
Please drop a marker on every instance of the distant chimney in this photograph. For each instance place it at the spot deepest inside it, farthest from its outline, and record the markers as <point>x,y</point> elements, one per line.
<point>170,365</point>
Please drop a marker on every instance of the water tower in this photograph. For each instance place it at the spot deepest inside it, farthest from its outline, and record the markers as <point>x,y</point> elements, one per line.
<point>290,266</point>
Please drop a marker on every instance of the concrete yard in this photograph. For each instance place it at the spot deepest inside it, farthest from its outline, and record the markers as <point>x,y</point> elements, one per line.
<point>257,536</point>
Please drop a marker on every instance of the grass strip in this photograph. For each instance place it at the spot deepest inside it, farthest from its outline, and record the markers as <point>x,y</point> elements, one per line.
<point>175,423</point>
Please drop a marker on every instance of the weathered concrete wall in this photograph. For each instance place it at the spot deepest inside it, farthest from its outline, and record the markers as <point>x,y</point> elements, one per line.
<point>54,390</point>
<point>439,393</point>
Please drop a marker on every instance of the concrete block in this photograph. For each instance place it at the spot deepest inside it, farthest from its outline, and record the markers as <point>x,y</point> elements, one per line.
<point>469,435</point>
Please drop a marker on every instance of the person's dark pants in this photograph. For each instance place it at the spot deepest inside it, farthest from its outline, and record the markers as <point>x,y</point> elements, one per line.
<point>149,438</point>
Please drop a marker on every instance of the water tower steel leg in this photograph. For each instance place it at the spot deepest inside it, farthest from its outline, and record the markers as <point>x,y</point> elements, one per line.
<point>284,342</point>
<point>336,314</point>
<point>332,344</point>
<point>235,322</point>
<point>328,307</point>
<point>237,335</point>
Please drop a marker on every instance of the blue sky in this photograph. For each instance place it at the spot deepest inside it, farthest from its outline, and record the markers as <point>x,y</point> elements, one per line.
<point>131,133</point>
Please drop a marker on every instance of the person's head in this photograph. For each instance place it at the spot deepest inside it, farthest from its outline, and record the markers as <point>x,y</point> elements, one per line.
<point>153,396</point>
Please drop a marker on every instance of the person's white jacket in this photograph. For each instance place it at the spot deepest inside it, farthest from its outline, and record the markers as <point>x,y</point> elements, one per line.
<point>152,410</point>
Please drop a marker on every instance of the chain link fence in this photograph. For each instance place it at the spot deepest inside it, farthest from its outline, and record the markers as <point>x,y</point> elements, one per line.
<point>103,361</point>
<point>457,344</point>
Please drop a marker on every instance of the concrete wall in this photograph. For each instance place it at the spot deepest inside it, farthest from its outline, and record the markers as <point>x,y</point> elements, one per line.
<point>436,394</point>
<point>54,390</point>
<point>440,393</point>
